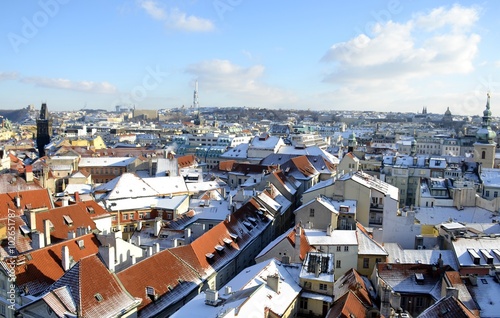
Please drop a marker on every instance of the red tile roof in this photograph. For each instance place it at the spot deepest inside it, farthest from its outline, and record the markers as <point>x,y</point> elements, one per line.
<point>65,219</point>
<point>186,161</point>
<point>164,272</point>
<point>95,291</point>
<point>304,243</point>
<point>33,199</point>
<point>347,306</point>
<point>38,269</point>
<point>304,166</point>
<point>351,281</point>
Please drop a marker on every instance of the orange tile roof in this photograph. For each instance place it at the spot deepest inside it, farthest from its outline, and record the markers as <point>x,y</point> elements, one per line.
<point>90,277</point>
<point>65,219</point>
<point>352,281</point>
<point>304,243</point>
<point>304,166</point>
<point>160,271</point>
<point>38,269</point>
<point>186,161</point>
<point>31,198</point>
<point>347,306</point>
<point>227,165</point>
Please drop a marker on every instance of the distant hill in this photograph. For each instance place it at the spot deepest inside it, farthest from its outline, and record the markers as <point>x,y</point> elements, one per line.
<point>14,115</point>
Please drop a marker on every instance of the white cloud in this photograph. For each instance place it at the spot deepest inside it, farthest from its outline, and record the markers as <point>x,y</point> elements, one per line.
<point>394,55</point>
<point>176,19</point>
<point>238,83</point>
<point>61,83</point>
<point>5,76</point>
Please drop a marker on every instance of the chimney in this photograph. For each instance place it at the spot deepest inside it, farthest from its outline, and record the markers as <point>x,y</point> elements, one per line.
<point>187,235</point>
<point>77,197</point>
<point>274,282</point>
<point>65,201</point>
<point>228,290</point>
<point>133,259</point>
<point>107,252</point>
<point>32,220</point>
<point>298,231</point>
<point>29,173</point>
<point>329,230</point>
<point>139,225</point>
<point>317,269</point>
<point>46,232</point>
<point>18,201</point>
<point>228,218</point>
<point>37,240</point>
<point>150,251</point>
<point>157,226</point>
<point>452,291</point>
<point>138,240</point>
<point>71,235</point>
<point>157,247</point>
<point>65,258</point>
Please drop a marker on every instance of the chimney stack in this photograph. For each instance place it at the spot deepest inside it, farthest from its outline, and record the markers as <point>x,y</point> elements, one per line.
<point>32,220</point>
<point>157,226</point>
<point>298,231</point>
<point>37,240</point>
<point>133,259</point>
<point>274,282</point>
<point>65,258</point>
<point>157,247</point>
<point>46,232</point>
<point>18,201</point>
<point>452,291</point>
<point>107,252</point>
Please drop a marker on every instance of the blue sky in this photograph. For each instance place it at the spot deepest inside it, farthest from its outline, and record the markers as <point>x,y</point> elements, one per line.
<point>389,55</point>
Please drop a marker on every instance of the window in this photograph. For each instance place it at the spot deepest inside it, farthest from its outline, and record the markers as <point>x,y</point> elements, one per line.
<point>378,260</point>
<point>483,154</point>
<point>338,264</point>
<point>419,302</point>
<point>487,193</point>
<point>303,303</point>
<point>339,248</point>
<point>366,262</point>
<point>323,287</point>
<point>311,212</point>
<point>125,216</point>
<point>495,194</point>
<point>346,248</point>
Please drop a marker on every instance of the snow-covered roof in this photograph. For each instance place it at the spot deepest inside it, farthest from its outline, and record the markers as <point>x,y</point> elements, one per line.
<point>249,293</point>
<point>438,215</point>
<point>490,177</point>
<point>321,185</point>
<point>166,185</point>
<point>167,203</point>
<point>483,248</point>
<point>238,152</point>
<point>337,237</point>
<point>105,161</point>
<point>407,256</point>
<point>367,246</point>
<point>486,295</point>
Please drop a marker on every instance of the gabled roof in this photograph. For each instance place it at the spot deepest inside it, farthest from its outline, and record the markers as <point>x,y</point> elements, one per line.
<point>127,185</point>
<point>186,161</point>
<point>352,281</point>
<point>38,269</point>
<point>366,244</point>
<point>447,307</point>
<point>347,306</point>
<point>94,290</point>
<point>305,247</point>
<point>65,219</point>
<point>169,276</point>
<point>32,199</point>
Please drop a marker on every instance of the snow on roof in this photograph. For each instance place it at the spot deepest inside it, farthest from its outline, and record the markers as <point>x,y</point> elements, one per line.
<point>166,185</point>
<point>367,246</point>
<point>274,243</point>
<point>409,256</point>
<point>269,201</point>
<point>80,188</point>
<point>168,203</point>
<point>373,183</point>
<point>105,161</point>
<point>249,294</point>
<point>309,151</point>
<point>238,152</point>
<point>466,249</point>
<point>338,237</point>
<point>486,295</point>
<point>490,177</point>
<point>266,143</point>
<point>321,185</point>
<point>195,187</point>
<point>326,263</point>
<point>438,215</point>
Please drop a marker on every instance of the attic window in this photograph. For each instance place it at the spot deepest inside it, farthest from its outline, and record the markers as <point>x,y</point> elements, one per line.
<point>419,278</point>
<point>68,220</point>
<point>247,224</point>
<point>90,210</point>
<point>98,297</point>
<point>24,230</point>
<point>219,248</point>
<point>233,236</point>
<point>209,255</point>
<point>227,241</point>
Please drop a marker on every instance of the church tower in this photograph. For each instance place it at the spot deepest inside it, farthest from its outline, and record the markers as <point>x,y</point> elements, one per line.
<point>351,142</point>
<point>43,130</point>
<point>485,145</point>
